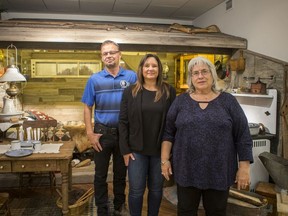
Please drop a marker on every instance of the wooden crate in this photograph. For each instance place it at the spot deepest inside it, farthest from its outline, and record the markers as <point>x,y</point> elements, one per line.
<point>268,190</point>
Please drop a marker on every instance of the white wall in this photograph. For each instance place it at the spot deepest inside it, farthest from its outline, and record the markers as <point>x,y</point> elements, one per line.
<point>264,23</point>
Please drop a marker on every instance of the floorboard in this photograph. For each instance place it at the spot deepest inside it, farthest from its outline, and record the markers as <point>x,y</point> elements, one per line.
<point>167,209</point>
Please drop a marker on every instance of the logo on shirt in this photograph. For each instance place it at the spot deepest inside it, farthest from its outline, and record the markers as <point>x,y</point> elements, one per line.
<point>124,84</point>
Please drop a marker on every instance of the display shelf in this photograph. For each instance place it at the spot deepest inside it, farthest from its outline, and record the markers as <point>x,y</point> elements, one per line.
<point>252,95</point>
<point>260,108</point>
<point>51,68</point>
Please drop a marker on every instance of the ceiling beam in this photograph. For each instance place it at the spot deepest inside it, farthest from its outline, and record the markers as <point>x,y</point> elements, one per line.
<point>73,35</point>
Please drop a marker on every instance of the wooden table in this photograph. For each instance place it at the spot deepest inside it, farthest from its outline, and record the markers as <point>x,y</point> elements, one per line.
<point>38,162</point>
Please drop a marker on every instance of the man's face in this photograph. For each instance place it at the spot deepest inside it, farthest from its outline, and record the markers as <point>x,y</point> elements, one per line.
<point>110,55</point>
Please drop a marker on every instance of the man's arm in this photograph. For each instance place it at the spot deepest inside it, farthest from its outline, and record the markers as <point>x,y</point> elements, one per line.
<point>93,137</point>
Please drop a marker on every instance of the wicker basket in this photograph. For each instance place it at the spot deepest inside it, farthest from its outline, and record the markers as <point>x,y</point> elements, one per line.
<point>79,206</point>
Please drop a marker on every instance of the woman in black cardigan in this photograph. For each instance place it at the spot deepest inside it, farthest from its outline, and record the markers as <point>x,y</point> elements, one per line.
<point>141,122</point>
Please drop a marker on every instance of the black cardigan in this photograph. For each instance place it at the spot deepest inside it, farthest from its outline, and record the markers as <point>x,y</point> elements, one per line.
<point>130,120</point>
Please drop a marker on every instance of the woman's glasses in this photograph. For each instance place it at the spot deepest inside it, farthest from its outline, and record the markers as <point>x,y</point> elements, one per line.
<point>202,72</point>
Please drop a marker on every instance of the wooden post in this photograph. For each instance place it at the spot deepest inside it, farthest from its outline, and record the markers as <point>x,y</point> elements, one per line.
<point>284,114</point>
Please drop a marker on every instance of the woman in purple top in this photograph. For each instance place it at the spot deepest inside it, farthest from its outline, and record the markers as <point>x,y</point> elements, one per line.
<point>208,136</point>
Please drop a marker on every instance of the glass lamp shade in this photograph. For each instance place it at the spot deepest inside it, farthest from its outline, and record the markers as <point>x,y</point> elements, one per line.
<point>12,74</point>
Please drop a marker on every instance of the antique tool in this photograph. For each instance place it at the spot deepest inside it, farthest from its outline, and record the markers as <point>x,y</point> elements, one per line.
<point>241,63</point>
<point>258,87</point>
<point>242,206</point>
<point>245,197</point>
<point>84,163</point>
<point>177,26</point>
<point>277,168</point>
<point>240,202</point>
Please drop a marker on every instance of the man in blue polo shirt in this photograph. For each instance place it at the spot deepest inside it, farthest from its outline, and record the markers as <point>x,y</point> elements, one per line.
<point>104,91</point>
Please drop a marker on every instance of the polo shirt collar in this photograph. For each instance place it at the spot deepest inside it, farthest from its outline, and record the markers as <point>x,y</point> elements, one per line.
<point>120,73</point>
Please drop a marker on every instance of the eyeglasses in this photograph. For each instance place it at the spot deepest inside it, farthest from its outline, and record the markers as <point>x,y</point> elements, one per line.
<point>202,72</point>
<point>110,52</point>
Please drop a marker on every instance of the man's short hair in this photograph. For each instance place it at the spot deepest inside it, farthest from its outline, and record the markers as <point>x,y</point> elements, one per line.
<point>110,42</point>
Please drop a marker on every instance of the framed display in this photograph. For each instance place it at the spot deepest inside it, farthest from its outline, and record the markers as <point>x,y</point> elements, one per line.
<point>64,68</point>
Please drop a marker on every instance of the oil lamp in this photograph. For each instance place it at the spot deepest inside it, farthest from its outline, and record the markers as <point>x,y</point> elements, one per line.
<point>11,76</point>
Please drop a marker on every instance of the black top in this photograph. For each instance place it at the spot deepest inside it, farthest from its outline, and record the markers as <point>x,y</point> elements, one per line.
<point>141,121</point>
<point>152,116</point>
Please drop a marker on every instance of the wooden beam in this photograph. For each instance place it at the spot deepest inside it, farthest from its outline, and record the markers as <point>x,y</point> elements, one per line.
<point>27,34</point>
<point>131,37</point>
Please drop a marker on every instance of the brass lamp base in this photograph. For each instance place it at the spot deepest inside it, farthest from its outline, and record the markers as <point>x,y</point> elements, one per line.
<point>13,90</point>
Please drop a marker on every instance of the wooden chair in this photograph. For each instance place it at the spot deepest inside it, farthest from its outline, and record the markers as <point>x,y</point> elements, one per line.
<point>4,204</point>
<point>43,130</point>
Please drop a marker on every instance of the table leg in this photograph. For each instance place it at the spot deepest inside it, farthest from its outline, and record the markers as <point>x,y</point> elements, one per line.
<point>65,193</point>
<point>70,176</point>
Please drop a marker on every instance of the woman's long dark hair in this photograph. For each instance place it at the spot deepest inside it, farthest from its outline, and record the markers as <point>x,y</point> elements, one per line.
<point>162,86</point>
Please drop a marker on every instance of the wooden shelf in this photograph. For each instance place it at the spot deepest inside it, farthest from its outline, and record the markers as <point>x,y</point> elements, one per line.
<point>253,95</point>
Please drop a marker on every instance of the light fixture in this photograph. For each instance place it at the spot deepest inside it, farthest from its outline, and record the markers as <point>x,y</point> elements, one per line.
<point>11,76</point>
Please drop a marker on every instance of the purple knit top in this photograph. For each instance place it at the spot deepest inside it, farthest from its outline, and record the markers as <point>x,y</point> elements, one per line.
<point>207,143</point>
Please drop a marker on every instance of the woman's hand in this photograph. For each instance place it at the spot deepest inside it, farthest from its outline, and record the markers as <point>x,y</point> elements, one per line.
<point>243,175</point>
<point>94,140</point>
<point>127,158</point>
<point>166,169</point>
<point>165,155</point>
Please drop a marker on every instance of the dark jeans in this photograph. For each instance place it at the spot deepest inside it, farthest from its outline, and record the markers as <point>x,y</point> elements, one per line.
<point>214,201</point>
<point>110,145</point>
<point>141,170</point>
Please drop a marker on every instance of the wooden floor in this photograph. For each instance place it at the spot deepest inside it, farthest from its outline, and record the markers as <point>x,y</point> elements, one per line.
<point>166,209</point>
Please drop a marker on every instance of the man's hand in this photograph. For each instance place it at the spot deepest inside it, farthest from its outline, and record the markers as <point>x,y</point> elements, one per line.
<point>94,139</point>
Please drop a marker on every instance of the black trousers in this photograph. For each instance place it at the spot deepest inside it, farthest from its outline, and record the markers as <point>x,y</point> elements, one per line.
<point>110,144</point>
<point>214,201</point>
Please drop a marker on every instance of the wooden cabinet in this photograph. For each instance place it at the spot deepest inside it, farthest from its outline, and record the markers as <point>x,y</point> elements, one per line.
<point>181,66</point>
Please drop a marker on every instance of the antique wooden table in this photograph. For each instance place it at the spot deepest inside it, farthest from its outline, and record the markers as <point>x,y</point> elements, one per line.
<point>38,162</point>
